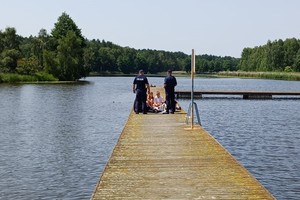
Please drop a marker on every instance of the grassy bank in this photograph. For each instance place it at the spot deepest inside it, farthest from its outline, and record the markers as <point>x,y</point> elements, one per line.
<point>291,76</point>
<point>18,78</point>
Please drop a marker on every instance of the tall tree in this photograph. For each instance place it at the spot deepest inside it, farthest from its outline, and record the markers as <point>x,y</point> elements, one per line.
<point>69,55</point>
<point>42,40</point>
<point>63,25</point>
<point>10,50</point>
<point>67,50</point>
<point>291,47</point>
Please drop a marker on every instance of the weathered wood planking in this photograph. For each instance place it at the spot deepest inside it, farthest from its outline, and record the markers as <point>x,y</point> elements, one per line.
<point>159,157</point>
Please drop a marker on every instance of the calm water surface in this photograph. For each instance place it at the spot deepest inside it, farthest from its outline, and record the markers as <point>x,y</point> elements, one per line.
<point>56,139</point>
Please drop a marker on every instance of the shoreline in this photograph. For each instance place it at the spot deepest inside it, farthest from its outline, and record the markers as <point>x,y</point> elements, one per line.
<point>288,76</point>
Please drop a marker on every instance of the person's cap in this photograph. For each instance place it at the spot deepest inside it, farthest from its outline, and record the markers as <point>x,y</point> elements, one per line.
<point>141,71</point>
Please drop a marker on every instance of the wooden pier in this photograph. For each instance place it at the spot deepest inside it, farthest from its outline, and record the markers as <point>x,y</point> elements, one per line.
<point>160,157</point>
<point>245,94</point>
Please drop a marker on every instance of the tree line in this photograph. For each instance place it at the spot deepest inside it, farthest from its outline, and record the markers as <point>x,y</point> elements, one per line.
<point>278,55</point>
<point>104,56</point>
<point>67,55</point>
<point>59,54</point>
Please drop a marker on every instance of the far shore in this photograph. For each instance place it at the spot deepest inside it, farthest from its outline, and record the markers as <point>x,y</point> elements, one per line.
<point>290,76</point>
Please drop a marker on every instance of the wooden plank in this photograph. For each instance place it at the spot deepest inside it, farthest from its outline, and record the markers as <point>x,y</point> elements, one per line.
<point>159,157</point>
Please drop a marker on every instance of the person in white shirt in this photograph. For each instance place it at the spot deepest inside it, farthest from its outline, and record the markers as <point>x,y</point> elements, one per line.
<point>158,103</point>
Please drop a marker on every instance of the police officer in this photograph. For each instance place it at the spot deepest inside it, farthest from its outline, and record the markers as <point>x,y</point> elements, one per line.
<point>169,85</point>
<point>140,86</point>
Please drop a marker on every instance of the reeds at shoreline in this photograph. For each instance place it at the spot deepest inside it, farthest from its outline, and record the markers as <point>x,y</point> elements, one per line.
<point>290,76</point>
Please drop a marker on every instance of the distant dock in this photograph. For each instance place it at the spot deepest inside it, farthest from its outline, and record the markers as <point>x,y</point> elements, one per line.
<point>160,157</point>
<point>245,94</point>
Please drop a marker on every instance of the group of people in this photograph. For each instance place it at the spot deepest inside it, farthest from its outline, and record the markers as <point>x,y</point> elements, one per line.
<point>144,103</point>
<point>155,103</point>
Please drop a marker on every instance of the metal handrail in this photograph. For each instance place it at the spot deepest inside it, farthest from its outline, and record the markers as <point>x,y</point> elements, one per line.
<point>189,113</point>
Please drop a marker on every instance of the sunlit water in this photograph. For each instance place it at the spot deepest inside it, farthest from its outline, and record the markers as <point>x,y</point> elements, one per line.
<point>56,139</point>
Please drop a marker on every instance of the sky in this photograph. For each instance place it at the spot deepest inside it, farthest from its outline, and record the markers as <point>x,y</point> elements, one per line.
<point>214,27</point>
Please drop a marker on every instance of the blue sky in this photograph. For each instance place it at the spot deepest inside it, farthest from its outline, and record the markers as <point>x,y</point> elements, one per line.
<point>217,27</point>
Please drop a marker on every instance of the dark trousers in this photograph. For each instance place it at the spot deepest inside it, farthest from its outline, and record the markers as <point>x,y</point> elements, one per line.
<point>140,101</point>
<point>170,101</point>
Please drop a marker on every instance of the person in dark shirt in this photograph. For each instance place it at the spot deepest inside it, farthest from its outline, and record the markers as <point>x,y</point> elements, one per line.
<point>140,86</point>
<point>169,85</point>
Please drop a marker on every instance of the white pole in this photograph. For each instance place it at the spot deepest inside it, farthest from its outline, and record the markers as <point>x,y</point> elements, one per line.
<point>192,91</point>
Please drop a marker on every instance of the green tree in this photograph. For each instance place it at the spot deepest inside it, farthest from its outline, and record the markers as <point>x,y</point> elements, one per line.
<point>28,66</point>
<point>51,63</point>
<point>140,61</point>
<point>91,56</point>
<point>10,50</point>
<point>69,55</point>
<point>1,41</point>
<point>63,25</point>
<point>40,46</point>
<point>297,62</point>
<point>126,60</point>
<point>291,47</point>
<point>278,55</point>
<point>10,39</point>
<point>108,61</point>
<point>65,55</point>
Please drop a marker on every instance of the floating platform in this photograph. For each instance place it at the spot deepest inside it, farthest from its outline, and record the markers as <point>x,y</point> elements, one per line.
<point>159,156</point>
<point>183,94</point>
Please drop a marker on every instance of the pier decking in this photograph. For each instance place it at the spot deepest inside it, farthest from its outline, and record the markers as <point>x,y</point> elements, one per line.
<point>244,94</point>
<point>160,157</point>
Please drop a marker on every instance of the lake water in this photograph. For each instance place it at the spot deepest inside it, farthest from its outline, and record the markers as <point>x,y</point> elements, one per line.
<point>56,139</point>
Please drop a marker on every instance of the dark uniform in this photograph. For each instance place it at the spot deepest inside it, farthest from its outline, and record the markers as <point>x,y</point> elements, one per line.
<point>141,93</point>
<point>170,83</point>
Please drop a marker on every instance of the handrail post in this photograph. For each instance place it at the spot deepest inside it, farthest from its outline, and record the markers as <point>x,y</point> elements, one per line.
<point>192,91</point>
<point>193,106</point>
